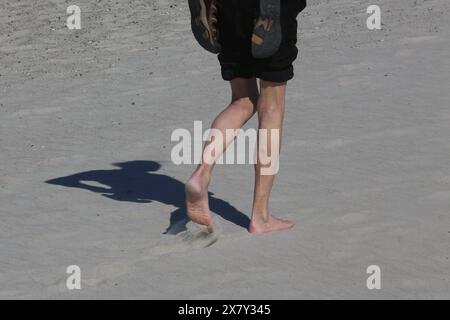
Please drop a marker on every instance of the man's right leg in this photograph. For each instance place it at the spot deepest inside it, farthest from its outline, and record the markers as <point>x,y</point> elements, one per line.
<point>243,106</point>
<point>271,106</point>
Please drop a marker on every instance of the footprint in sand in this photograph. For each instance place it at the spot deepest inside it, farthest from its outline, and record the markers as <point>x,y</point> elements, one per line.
<point>351,218</point>
<point>443,195</point>
<point>195,237</point>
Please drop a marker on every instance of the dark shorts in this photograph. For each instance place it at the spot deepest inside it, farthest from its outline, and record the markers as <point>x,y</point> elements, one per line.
<point>236,23</point>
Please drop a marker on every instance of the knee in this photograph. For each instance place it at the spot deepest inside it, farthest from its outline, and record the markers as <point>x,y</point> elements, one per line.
<point>247,105</point>
<point>270,110</point>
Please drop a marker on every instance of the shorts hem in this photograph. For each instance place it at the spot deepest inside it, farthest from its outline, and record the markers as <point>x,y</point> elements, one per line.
<point>277,76</point>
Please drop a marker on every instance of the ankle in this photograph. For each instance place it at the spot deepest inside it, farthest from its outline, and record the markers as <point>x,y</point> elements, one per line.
<point>258,219</point>
<point>201,176</point>
<point>204,170</point>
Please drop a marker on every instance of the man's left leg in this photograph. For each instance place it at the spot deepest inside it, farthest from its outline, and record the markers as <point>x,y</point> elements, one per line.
<point>242,108</point>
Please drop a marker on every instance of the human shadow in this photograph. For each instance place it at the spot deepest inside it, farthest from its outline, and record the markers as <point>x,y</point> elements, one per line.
<point>136,181</point>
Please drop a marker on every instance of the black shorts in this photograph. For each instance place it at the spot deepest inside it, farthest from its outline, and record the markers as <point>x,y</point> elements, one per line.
<point>236,24</point>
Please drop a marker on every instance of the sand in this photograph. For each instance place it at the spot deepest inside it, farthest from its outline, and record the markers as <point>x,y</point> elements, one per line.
<point>365,169</point>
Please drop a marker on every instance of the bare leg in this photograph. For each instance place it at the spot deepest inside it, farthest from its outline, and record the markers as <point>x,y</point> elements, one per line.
<point>270,107</point>
<point>242,108</point>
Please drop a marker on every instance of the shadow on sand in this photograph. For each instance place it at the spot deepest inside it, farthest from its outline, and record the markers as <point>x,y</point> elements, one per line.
<point>136,181</point>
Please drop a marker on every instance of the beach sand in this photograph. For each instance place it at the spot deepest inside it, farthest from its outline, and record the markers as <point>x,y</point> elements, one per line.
<point>86,177</point>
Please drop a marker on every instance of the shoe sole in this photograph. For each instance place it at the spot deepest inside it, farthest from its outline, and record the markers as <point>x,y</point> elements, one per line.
<point>266,38</point>
<point>201,27</point>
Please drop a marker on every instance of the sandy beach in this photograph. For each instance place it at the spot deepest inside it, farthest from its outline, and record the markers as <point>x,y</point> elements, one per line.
<point>86,176</point>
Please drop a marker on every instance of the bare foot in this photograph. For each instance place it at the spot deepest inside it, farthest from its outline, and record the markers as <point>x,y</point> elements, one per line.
<point>271,225</point>
<point>197,200</point>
